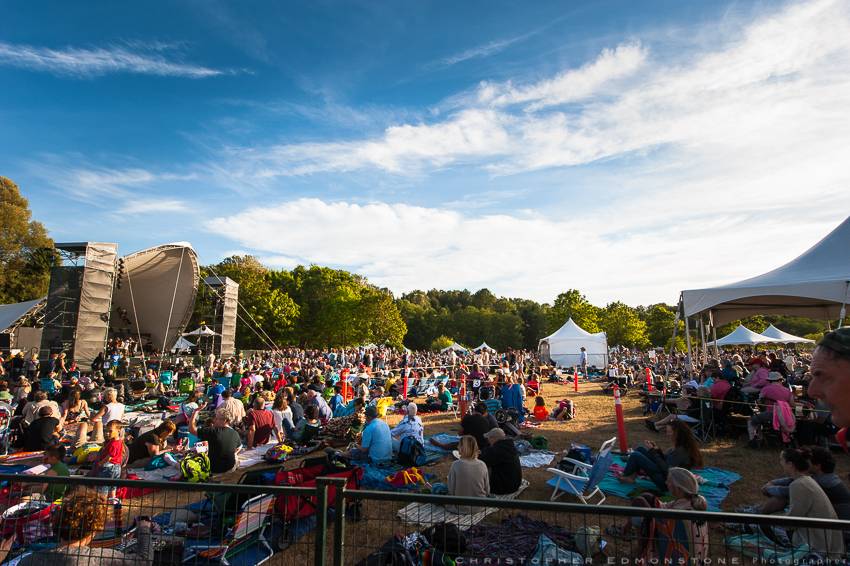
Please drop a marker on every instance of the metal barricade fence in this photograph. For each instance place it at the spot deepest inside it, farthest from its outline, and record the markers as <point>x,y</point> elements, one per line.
<point>182,523</point>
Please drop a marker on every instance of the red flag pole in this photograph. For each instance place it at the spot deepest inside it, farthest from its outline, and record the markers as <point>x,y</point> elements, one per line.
<point>621,424</point>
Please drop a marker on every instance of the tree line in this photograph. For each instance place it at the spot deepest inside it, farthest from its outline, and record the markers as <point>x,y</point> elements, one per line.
<point>313,306</point>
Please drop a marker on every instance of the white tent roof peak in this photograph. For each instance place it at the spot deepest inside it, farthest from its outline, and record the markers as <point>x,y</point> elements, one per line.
<point>815,284</point>
<point>572,330</point>
<point>483,346</point>
<point>780,336</point>
<point>454,346</point>
<point>742,335</point>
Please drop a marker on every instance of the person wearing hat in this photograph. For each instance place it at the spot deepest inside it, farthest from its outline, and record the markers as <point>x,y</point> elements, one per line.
<point>410,425</point>
<point>376,442</point>
<point>5,399</point>
<point>771,394</point>
<point>830,371</point>
<point>502,461</point>
<point>757,378</point>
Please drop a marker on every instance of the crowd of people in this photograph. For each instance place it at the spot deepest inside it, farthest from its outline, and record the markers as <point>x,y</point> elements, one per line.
<point>310,398</point>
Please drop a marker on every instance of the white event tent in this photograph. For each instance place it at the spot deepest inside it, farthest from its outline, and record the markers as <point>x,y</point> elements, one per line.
<point>782,337</point>
<point>816,284</point>
<point>483,346</point>
<point>563,347</point>
<point>455,346</point>
<point>742,336</point>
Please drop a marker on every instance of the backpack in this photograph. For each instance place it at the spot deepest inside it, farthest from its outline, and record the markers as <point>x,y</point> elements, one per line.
<point>411,452</point>
<point>195,467</point>
<point>277,453</point>
<point>447,538</point>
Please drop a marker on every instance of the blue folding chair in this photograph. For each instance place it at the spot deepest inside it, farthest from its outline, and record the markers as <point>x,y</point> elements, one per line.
<point>584,484</point>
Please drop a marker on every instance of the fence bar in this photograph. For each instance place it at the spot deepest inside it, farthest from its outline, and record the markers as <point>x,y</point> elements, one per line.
<point>339,519</point>
<point>321,521</point>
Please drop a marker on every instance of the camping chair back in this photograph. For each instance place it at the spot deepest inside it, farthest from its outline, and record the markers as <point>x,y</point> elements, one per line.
<point>165,377</point>
<point>252,519</point>
<point>598,471</point>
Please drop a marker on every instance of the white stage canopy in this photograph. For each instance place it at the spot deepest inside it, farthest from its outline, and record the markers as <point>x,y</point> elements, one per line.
<point>782,337</point>
<point>483,346</point>
<point>742,336</point>
<point>564,346</point>
<point>455,346</point>
<point>816,284</point>
<point>12,313</point>
<point>182,344</point>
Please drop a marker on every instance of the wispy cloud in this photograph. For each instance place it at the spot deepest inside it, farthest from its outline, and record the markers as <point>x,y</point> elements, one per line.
<point>170,206</point>
<point>480,51</point>
<point>135,57</point>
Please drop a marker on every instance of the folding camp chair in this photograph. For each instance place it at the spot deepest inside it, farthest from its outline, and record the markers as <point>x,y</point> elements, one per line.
<point>248,531</point>
<point>586,486</point>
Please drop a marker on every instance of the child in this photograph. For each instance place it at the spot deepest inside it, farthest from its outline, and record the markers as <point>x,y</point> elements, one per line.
<point>111,455</point>
<point>53,458</point>
<point>541,413</point>
<point>564,411</point>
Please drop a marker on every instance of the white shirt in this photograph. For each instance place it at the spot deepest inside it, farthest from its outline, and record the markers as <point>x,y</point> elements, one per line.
<point>410,427</point>
<point>114,412</point>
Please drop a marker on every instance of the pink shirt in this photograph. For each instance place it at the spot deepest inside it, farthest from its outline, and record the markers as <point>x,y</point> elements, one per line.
<point>759,378</point>
<point>776,392</point>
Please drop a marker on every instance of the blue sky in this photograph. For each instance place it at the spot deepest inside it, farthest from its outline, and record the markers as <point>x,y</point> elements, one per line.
<point>628,149</point>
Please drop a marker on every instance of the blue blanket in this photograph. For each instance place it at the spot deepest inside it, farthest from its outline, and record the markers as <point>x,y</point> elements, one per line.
<point>714,489</point>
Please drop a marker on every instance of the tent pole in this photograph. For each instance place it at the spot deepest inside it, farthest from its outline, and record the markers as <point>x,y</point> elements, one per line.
<point>672,347</point>
<point>843,312</point>
<point>704,356</point>
<point>688,340</point>
<point>713,333</point>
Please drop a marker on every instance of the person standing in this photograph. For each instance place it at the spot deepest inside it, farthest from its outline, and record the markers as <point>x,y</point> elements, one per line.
<point>582,360</point>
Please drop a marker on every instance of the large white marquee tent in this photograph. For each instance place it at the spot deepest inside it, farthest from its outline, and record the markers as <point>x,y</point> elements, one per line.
<point>816,284</point>
<point>563,347</point>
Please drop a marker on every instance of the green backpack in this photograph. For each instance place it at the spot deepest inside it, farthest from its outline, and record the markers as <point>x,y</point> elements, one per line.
<point>195,467</point>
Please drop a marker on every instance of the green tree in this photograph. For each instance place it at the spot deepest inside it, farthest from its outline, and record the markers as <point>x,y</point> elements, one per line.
<point>26,251</point>
<point>659,324</point>
<point>265,311</point>
<point>573,304</point>
<point>441,342</point>
<point>623,326</point>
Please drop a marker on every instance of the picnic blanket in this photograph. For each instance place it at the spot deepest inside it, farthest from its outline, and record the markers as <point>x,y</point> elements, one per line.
<point>715,487</point>
<point>427,514</point>
<point>537,459</point>
<point>434,453</point>
<point>760,547</point>
<point>375,477</point>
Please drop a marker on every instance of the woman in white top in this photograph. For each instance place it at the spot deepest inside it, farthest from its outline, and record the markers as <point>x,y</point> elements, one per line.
<point>110,410</point>
<point>281,412</point>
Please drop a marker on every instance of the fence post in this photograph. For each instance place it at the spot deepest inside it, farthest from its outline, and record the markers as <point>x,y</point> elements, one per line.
<point>339,519</point>
<point>321,521</point>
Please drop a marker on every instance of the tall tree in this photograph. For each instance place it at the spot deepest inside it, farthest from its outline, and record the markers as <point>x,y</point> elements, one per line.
<point>623,326</point>
<point>573,304</point>
<point>26,251</point>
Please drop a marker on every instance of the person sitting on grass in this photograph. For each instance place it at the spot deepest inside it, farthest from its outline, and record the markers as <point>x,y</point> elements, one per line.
<point>260,424</point>
<point>54,459</point>
<point>468,476</point>
<point>376,443</point>
<point>410,425</point>
<point>541,413</point>
<point>43,432</point>
<point>307,428</point>
<point>150,444</point>
<point>502,460</point>
<point>224,442</point>
<point>441,403</point>
<point>655,463</point>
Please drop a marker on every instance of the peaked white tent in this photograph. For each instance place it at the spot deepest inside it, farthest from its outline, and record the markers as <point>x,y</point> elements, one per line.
<point>182,344</point>
<point>742,336</point>
<point>776,335</point>
<point>202,331</point>
<point>483,346</point>
<point>563,347</point>
<point>455,346</point>
<point>816,284</point>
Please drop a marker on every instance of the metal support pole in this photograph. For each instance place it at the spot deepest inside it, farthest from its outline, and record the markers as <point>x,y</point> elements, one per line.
<point>688,340</point>
<point>704,356</point>
<point>320,558</point>
<point>339,518</point>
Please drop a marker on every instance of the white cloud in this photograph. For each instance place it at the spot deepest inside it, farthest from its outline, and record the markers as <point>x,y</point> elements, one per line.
<point>135,57</point>
<point>407,247</point>
<point>168,206</point>
<point>781,80</point>
<point>481,51</point>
